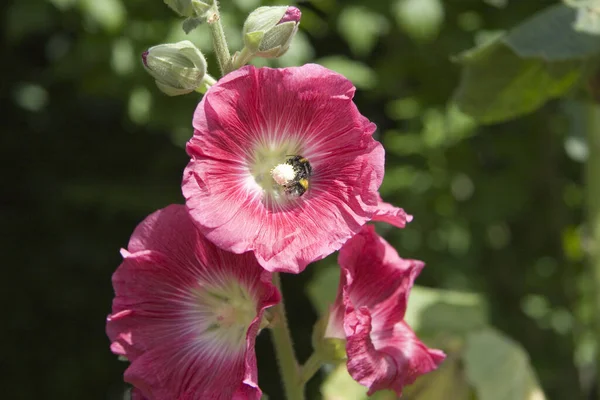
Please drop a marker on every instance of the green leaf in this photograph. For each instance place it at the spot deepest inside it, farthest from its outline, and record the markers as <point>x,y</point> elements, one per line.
<point>498,368</point>
<point>497,84</point>
<point>549,35</point>
<point>322,289</point>
<point>431,311</point>
<point>518,72</point>
<point>361,28</point>
<point>110,14</point>
<point>420,19</point>
<point>339,385</point>
<point>438,384</point>
<point>361,75</point>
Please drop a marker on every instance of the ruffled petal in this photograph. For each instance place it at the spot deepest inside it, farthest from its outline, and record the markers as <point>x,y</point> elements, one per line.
<point>383,352</point>
<point>391,214</point>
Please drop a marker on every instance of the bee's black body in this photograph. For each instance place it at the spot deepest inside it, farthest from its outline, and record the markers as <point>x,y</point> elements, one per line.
<point>303,170</point>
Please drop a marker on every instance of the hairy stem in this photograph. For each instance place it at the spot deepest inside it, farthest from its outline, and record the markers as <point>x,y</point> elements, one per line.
<point>219,41</point>
<point>310,368</point>
<point>284,349</point>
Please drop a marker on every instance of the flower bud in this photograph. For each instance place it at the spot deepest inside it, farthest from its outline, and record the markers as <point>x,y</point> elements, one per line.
<point>268,31</point>
<point>177,67</point>
<point>188,8</point>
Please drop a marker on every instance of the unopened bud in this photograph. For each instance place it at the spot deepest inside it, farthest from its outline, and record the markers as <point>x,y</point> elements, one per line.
<point>178,68</point>
<point>188,8</point>
<point>268,31</point>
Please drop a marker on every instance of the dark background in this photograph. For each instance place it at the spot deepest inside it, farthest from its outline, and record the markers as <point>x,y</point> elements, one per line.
<point>89,147</point>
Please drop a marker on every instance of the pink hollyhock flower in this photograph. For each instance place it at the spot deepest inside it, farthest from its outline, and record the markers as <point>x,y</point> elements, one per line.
<point>383,351</point>
<point>283,164</point>
<point>186,313</point>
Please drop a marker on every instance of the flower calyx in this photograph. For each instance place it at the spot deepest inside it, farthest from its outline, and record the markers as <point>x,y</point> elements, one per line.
<point>178,68</point>
<point>268,31</point>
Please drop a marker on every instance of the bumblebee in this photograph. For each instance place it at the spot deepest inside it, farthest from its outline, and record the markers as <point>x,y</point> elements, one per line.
<point>303,170</point>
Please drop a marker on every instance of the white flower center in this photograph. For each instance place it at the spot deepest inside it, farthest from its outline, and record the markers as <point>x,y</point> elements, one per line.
<point>283,174</point>
<point>225,312</point>
<point>269,169</point>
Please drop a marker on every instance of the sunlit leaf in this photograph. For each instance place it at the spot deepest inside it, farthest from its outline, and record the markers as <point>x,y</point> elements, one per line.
<point>549,35</point>
<point>447,382</point>
<point>339,385</point>
<point>433,311</point>
<point>496,84</point>
<point>498,368</point>
<point>517,72</point>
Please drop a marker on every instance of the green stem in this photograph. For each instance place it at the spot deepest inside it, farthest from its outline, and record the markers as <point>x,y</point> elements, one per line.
<point>284,349</point>
<point>310,368</point>
<point>219,41</point>
<point>207,82</point>
<point>242,58</point>
<point>593,213</point>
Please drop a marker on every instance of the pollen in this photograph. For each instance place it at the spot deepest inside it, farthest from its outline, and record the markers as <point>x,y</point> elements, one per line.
<point>283,174</point>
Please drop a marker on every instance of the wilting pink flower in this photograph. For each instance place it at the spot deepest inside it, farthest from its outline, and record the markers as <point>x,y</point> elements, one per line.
<point>383,351</point>
<point>283,164</point>
<point>186,313</point>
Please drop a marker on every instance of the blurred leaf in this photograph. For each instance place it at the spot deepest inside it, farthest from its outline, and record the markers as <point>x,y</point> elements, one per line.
<point>247,5</point>
<point>123,58</point>
<point>571,243</point>
<point>432,311</point>
<point>518,72</point>
<point>420,19</point>
<point>63,4</point>
<point>588,15</point>
<point>322,289</point>
<point>339,385</point>
<point>299,53</point>
<point>549,35</point>
<point>497,3</point>
<point>31,97</point>
<point>140,102</point>
<point>498,368</point>
<point>110,14</point>
<point>361,28</point>
<point>448,382</point>
<point>361,75</point>
<point>497,85</point>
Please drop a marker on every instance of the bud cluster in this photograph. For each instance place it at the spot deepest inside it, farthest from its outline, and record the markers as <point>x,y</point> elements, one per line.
<point>180,68</point>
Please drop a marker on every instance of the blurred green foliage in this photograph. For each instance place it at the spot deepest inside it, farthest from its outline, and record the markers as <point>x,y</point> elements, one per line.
<point>89,147</point>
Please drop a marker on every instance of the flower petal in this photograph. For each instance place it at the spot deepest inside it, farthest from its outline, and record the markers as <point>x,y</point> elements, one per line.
<point>309,109</point>
<point>383,352</point>
<point>158,323</point>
